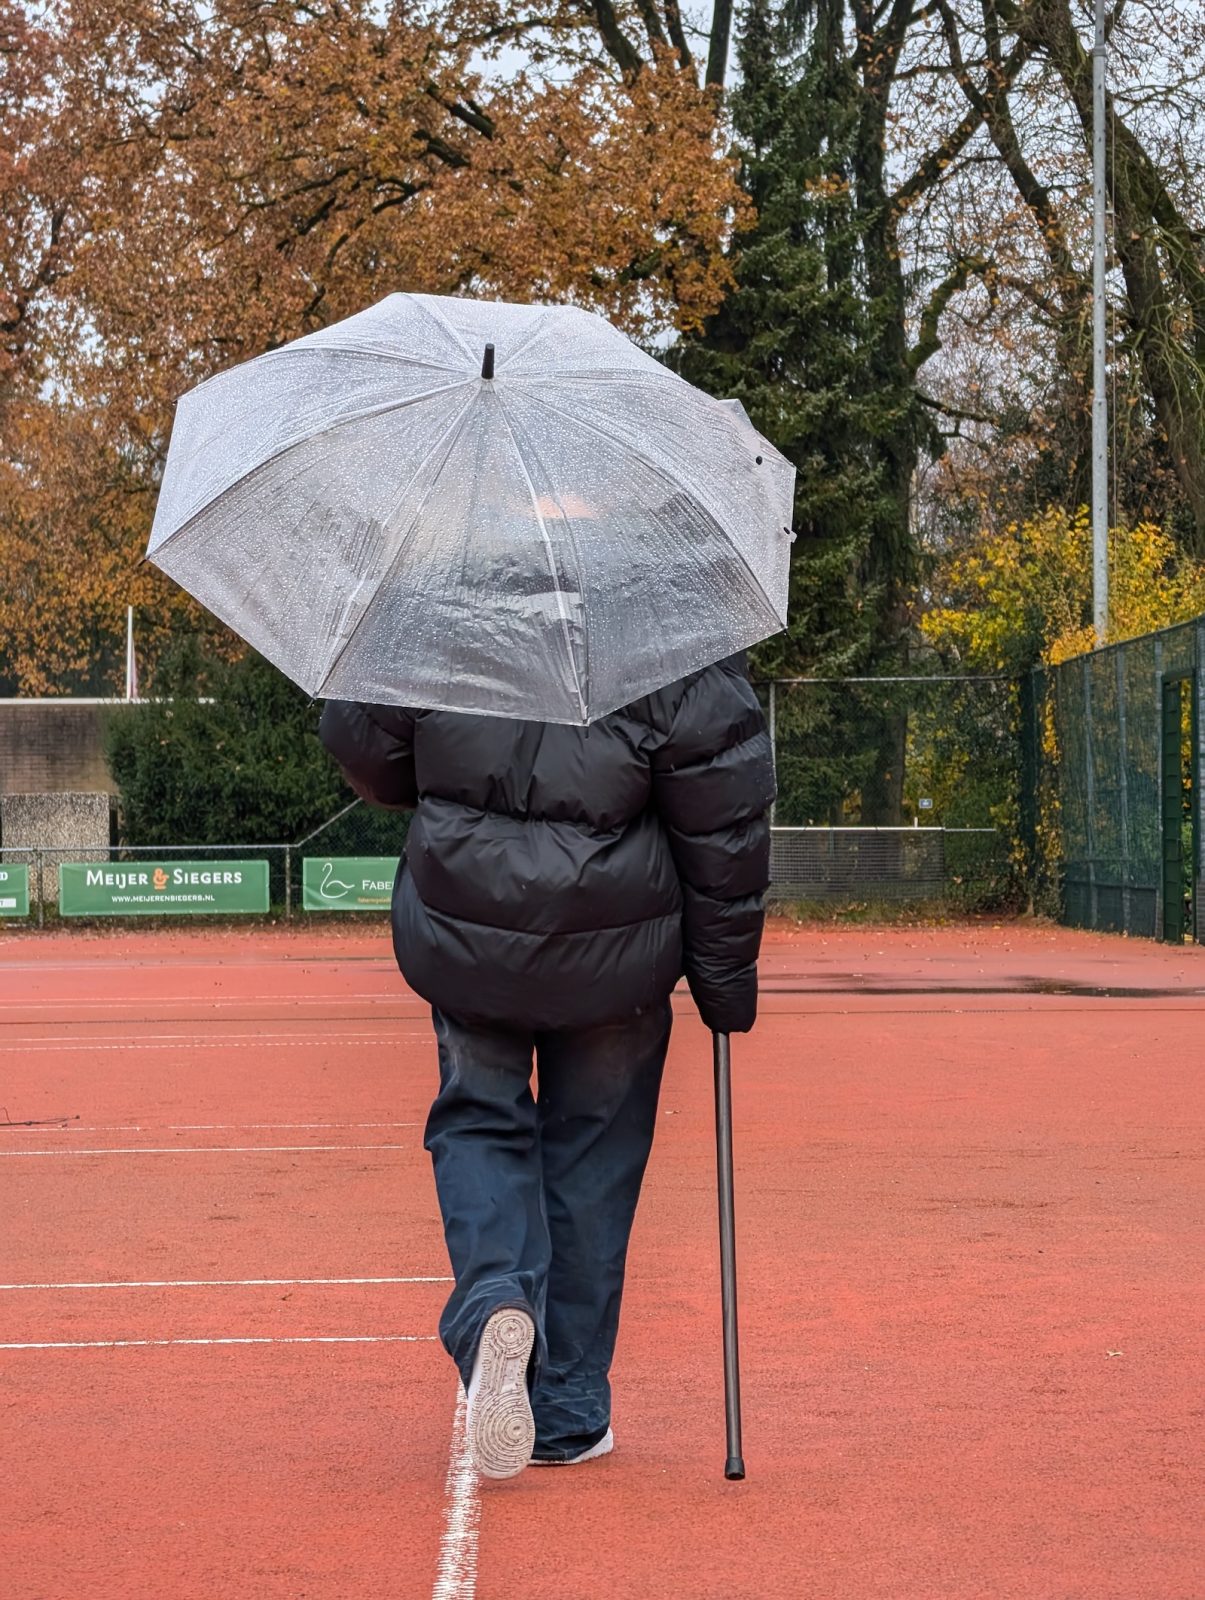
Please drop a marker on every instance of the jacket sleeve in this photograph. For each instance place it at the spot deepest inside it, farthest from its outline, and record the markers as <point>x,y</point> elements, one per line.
<point>713,783</point>
<point>374,745</point>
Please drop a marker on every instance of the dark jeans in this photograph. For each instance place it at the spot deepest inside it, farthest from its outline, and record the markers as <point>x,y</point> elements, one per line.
<point>538,1196</point>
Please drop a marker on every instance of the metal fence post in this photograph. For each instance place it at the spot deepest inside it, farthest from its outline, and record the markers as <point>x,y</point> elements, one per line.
<point>1090,792</point>
<point>1123,791</point>
<point>1158,687</point>
<point>1028,701</point>
<point>41,892</point>
<point>288,883</point>
<point>1198,776</point>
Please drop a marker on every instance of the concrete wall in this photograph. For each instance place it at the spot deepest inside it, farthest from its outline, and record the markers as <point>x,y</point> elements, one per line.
<point>49,746</point>
<point>74,826</point>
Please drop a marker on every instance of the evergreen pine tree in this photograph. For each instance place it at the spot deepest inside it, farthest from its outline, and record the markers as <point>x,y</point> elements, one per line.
<point>798,341</point>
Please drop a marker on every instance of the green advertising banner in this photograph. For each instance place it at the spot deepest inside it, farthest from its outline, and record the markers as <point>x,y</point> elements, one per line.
<point>347,883</point>
<point>14,891</point>
<point>161,888</point>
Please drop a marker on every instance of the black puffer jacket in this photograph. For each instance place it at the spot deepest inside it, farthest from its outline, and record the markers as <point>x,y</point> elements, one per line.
<point>561,878</point>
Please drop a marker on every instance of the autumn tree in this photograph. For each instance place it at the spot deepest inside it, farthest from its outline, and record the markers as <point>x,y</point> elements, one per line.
<point>183,185</point>
<point>188,185</point>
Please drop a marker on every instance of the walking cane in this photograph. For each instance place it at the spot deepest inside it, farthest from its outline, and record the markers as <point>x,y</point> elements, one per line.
<point>734,1467</point>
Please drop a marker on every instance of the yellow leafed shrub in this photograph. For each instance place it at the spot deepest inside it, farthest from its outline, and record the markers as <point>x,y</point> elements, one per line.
<point>1024,594</point>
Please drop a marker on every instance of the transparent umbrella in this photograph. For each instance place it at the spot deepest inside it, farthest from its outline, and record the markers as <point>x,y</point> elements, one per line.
<point>474,506</point>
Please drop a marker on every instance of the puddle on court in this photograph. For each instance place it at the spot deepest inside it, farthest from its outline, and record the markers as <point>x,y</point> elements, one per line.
<point>853,983</point>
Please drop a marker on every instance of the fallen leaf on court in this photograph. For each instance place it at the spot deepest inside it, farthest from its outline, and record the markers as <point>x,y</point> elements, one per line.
<point>1115,1352</point>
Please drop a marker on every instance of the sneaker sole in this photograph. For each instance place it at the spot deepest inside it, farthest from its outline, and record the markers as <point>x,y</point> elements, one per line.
<point>596,1451</point>
<point>501,1428</point>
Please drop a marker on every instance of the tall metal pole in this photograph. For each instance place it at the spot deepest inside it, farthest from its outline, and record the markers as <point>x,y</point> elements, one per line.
<point>1100,403</point>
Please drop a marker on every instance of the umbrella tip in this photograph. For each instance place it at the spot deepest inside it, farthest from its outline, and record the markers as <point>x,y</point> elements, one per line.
<point>487,365</point>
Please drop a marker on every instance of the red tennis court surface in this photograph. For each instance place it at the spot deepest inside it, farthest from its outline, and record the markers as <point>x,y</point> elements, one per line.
<point>970,1205</point>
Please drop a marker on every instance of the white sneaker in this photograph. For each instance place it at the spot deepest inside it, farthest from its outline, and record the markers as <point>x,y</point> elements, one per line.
<point>603,1448</point>
<point>500,1427</point>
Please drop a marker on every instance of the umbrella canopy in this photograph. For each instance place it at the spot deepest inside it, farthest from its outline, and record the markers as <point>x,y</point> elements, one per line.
<point>548,531</point>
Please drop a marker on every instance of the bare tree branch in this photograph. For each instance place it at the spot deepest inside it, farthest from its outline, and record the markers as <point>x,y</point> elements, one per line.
<point>464,111</point>
<point>995,113</point>
<point>928,341</point>
<point>652,21</point>
<point>615,41</point>
<point>673,18</point>
<point>958,412</point>
<point>935,163</point>
<point>721,33</point>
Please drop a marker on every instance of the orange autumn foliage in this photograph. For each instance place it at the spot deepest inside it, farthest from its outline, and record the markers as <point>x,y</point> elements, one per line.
<point>186,185</point>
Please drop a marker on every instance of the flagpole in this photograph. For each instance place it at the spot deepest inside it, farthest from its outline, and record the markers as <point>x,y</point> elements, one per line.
<point>131,666</point>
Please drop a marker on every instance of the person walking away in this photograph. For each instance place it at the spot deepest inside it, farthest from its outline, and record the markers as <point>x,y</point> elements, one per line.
<point>558,882</point>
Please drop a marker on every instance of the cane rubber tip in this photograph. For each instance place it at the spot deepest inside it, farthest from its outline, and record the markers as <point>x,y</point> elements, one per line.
<point>734,1468</point>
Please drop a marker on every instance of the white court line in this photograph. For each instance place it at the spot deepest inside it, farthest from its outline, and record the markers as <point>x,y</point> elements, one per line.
<point>303,964</point>
<point>194,1127</point>
<point>129,1344</point>
<point>195,1150</point>
<point>376,998</point>
<point>174,1038</point>
<point>80,1045</point>
<point>214,1283</point>
<point>219,1127</point>
<point>457,1575</point>
<point>75,1127</point>
<point>198,1041</point>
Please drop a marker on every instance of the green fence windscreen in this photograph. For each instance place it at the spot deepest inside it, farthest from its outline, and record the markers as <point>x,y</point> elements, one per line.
<point>1114,748</point>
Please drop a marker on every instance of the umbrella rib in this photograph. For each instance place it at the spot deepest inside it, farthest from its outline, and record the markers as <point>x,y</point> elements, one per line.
<point>552,566</point>
<point>607,375</point>
<point>448,442</point>
<point>283,450</point>
<point>655,466</point>
<point>300,349</point>
<point>440,321</point>
<point>568,376</point>
<point>525,344</point>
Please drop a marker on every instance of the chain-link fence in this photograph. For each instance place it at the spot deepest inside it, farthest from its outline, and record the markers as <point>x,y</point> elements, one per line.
<point>901,788</point>
<point>889,789</point>
<point>1080,786</point>
<point>1114,753</point>
<point>346,862</point>
<point>873,865</point>
<point>888,752</point>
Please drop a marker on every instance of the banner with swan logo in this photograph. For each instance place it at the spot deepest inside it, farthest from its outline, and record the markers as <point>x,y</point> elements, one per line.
<point>347,883</point>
